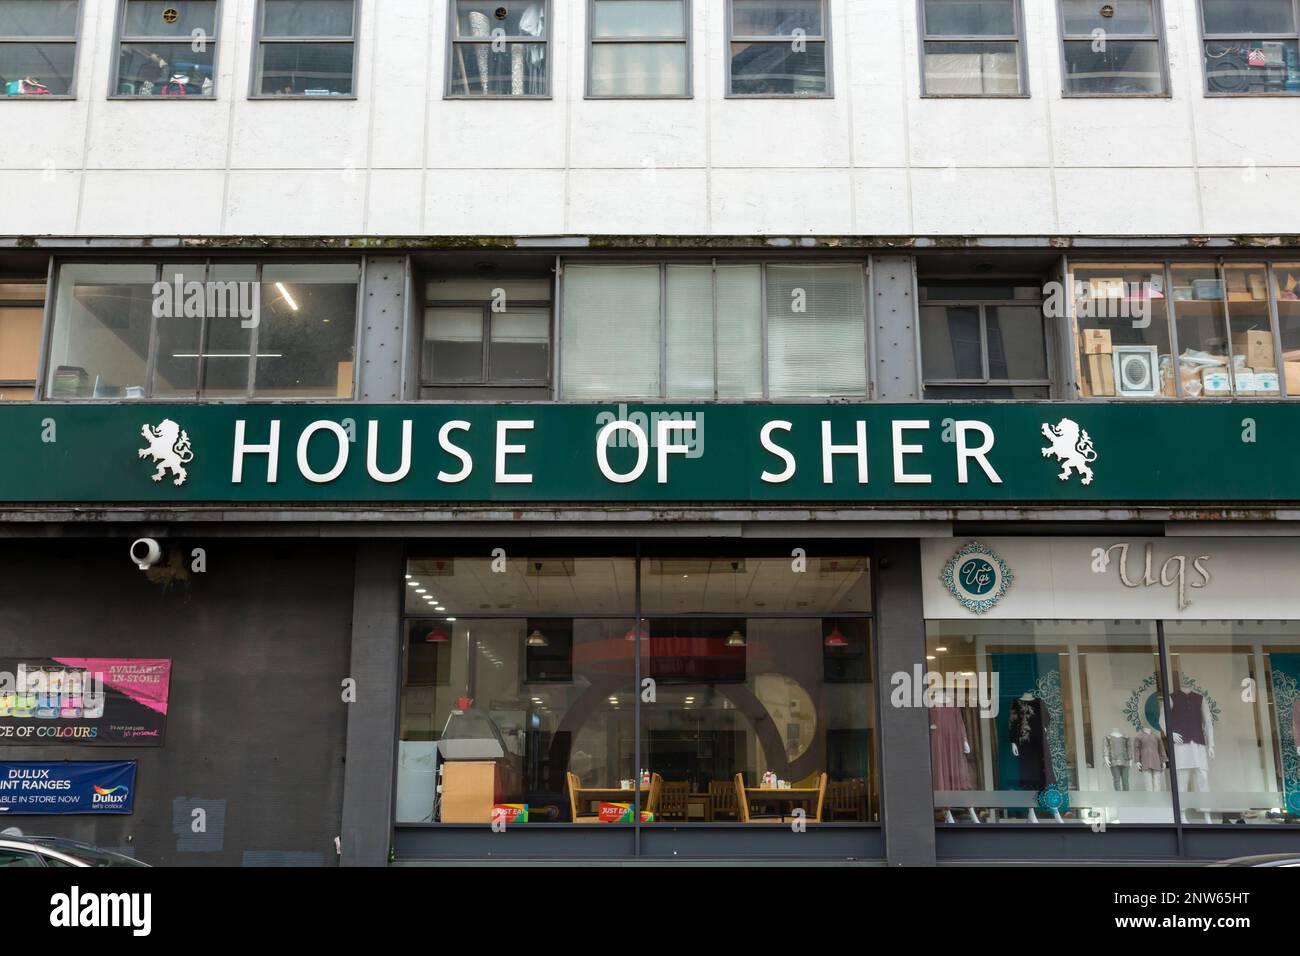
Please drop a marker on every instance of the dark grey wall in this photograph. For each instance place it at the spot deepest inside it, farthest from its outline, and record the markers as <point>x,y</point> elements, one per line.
<point>256,725</point>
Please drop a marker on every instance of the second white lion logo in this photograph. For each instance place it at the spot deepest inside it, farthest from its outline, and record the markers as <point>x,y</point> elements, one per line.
<point>1072,447</point>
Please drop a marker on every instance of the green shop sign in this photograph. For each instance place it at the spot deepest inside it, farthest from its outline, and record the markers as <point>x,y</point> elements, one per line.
<point>455,454</point>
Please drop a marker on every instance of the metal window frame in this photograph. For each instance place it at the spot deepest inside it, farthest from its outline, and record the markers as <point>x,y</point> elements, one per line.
<point>685,39</point>
<point>120,39</point>
<point>1208,37</point>
<point>730,37</point>
<point>987,381</point>
<point>1022,55</point>
<point>158,264</point>
<point>1158,37</point>
<point>260,40</point>
<point>485,379</point>
<point>74,40</point>
<point>762,263</point>
<point>454,40</point>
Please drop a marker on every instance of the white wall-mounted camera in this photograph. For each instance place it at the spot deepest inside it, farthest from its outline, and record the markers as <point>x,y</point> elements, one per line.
<point>145,553</point>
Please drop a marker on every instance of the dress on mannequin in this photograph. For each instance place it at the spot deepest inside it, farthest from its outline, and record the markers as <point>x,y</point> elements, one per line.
<point>1118,751</point>
<point>1027,731</point>
<point>948,749</point>
<point>1149,752</point>
<point>1192,728</point>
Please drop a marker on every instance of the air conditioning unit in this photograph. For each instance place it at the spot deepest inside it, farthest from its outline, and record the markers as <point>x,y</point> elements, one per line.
<point>1137,370</point>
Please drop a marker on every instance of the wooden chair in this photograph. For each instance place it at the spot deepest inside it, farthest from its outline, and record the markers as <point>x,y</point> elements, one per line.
<point>673,799</point>
<point>578,815</point>
<point>846,799</point>
<point>743,811</point>
<point>722,800</point>
<point>656,794</point>
<point>821,796</point>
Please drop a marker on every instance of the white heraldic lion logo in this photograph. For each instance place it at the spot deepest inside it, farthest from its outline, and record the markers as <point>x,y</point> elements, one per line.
<point>1072,447</point>
<point>169,446</point>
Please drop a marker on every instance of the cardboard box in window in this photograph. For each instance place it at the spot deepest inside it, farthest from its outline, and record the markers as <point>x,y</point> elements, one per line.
<point>1245,381</point>
<point>1267,382</point>
<point>343,387</point>
<point>1101,374</point>
<point>1292,373</point>
<point>470,789</point>
<point>1256,347</point>
<point>1215,381</point>
<point>1095,341</point>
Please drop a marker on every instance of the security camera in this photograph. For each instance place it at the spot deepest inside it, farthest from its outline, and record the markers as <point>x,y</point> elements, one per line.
<point>145,552</point>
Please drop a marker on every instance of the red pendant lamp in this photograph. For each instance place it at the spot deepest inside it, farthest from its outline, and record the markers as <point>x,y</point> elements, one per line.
<point>835,638</point>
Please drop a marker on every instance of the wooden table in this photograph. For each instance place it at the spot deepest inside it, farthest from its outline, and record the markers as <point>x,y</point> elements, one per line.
<point>586,796</point>
<point>791,795</point>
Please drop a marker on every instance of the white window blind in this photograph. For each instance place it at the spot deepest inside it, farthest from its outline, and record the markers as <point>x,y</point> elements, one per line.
<point>610,332</point>
<point>689,360</point>
<point>816,331</point>
<point>740,331</point>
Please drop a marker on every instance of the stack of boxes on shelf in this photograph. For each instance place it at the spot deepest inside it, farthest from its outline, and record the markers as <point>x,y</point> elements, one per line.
<point>1099,368</point>
<point>1254,363</point>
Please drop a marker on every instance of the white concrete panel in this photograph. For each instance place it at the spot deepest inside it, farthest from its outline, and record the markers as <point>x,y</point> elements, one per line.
<point>979,132</point>
<point>301,202</point>
<point>393,206</point>
<point>497,134</point>
<point>1128,202</point>
<point>878,53</point>
<point>983,201</point>
<point>158,134</point>
<point>644,135</point>
<point>493,202</point>
<point>301,134</point>
<point>1241,132</point>
<point>780,132</point>
<point>882,202</point>
<point>402,79</point>
<point>151,203</point>
<point>781,201</point>
<point>40,202</point>
<point>671,201</point>
<point>1241,201</point>
<point>1122,132</point>
<point>42,134</point>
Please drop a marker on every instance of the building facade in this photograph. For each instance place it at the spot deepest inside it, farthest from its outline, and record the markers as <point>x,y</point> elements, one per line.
<point>841,430</point>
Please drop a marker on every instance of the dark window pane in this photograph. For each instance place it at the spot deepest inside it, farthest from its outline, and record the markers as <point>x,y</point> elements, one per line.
<point>520,348</point>
<point>514,18</point>
<point>38,18</point>
<point>36,69</point>
<point>176,364</point>
<point>308,18</point>
<point>517,70</point>
<point>1016,346</point>
<point>165,69</point>
<point>979,393</point>
<point>950,342</point>
<point>970,18</point>
<point>453,344</point>
<point>762,18</point>
<point>1249,16</point>
<point>638,18</point>
<point>226,356</point>
<point>1123,67</point>
<point>775,68</point>
<point>1129,16</point>
<point>154,18</point>
<point>1252,66</point>
<point>305,69</point>
<point>638,69</point>
<point>972,69</point>
<point>307,332</point>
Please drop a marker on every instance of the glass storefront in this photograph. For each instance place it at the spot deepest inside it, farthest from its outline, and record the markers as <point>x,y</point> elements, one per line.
<point>559,688</point>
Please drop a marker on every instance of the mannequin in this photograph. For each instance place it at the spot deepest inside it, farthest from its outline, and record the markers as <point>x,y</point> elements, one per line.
<point>1027,731</point>
<point>1118,751</point>
<point>949,747</point>
<point>1192,729</point>
<point>1149,754</point>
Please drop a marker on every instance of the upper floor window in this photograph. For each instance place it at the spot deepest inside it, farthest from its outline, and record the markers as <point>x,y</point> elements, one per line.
<point>1187,329</point>
<point>983,342</point>
<point>21,310</point>
<point>166,48</point>
<point>185,330</point>
<point>1251,46</point>
<point>38,47</point>
<point>498,48</point>
<point>487,332</point>
<point>778,48</point>
<point>973,48</point>
<point>639,48</point>
<point>1113,48</point>
<point>305,48</point>
<point>726,330</point>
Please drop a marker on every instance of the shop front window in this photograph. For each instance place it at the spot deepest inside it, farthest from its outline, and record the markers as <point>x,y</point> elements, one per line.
<point>21,314</point>
<point>187,330</point>
<point>520,696</point>
<point>1042,722</point>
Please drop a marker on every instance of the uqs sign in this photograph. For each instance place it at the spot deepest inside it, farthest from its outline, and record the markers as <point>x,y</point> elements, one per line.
<point>1174,571</point>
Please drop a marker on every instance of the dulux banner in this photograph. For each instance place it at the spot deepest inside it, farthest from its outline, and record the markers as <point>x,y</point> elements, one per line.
<point>436,453</point>
<point>72,787</point>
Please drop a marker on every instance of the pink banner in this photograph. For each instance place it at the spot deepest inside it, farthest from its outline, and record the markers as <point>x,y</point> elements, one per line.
<point>143,681</point>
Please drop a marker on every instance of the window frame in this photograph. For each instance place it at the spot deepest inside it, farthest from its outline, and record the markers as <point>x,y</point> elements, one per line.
<point>1207,37</point>
<point>44,307</point>
<point>74,40</point>
<point>260,39</point>
<point>119,38</point>
<point>1022,56</point>
<point>1221,264</point>
<point>983,304</point>
<point>686,39</point>
<point>485,305</point>
<point>1159,38</point>
<point>452,42</point>
<point>51,312</point>
<point>763,263</point>
<point>730,37</point>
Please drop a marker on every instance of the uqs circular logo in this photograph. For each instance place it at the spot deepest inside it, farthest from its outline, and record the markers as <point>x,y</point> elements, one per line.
<point>977,577</point>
